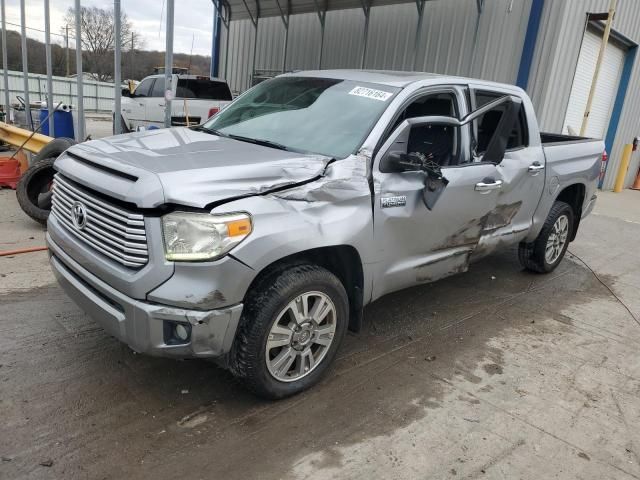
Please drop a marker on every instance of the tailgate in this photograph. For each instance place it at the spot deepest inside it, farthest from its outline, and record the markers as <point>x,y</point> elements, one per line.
<point>190,111</point>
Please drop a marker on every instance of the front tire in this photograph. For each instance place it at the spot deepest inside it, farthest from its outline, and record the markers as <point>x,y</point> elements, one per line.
<point>548,249</point>
<point>291,328</point>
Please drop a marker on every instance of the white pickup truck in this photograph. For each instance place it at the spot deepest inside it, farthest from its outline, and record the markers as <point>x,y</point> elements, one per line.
<point>195,99</point>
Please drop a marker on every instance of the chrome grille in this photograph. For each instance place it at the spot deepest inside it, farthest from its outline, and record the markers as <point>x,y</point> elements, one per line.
<point>111,230</point>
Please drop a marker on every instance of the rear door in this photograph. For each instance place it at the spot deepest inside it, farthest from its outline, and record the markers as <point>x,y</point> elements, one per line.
<point>522,171</point>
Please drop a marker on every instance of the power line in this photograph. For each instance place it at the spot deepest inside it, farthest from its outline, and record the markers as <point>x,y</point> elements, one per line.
<point>37,30</point>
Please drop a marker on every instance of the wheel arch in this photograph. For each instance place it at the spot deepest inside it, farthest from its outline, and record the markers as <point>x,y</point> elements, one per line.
<point>574,196</point>
<point>342,260</point>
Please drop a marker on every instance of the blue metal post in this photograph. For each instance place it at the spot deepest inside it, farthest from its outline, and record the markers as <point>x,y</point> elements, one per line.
<point>535,16</point>
<point>618,103</point>
<point>215,40</point>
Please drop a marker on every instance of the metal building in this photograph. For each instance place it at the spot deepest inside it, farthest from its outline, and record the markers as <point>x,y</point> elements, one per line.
<point>548,47</point>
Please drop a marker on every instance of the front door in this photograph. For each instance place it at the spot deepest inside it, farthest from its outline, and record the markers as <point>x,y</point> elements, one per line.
<point>416,244</point>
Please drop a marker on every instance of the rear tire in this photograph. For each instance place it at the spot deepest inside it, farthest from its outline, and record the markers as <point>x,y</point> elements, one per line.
<point>34,188</point>
<point>33,185</point>
<point>53,149</point>
<point>276,353</point>
<point>546,252</point>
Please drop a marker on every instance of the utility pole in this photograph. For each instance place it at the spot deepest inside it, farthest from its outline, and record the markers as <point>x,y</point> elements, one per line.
<point>66,44</point>
<point>596,73</point>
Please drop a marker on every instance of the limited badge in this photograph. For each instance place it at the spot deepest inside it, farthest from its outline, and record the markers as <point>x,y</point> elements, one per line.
<point>390,202</point>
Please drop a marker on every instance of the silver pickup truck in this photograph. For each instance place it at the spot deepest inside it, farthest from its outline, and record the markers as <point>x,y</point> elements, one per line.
<point>257,238</point>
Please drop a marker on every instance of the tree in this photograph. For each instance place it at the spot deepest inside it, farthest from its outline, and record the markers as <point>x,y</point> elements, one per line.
<point>98,39</point>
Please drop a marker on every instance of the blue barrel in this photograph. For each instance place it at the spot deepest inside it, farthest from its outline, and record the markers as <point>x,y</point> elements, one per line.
<point>62,122</point>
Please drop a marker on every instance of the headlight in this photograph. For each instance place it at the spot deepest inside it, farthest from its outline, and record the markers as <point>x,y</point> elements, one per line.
<point>190,236</point>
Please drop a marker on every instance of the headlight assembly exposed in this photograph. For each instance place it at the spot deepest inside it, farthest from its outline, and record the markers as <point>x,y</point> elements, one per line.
<point>190,236</point>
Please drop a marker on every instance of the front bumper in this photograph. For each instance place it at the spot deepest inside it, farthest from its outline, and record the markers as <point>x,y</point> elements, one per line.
<point>139,324</point>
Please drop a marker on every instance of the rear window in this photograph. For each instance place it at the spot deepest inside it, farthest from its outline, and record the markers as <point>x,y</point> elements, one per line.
<point>204,89</point>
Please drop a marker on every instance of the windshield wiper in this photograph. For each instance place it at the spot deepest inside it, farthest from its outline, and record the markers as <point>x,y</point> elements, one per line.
<point>259,141</point>
<point>202,128</point>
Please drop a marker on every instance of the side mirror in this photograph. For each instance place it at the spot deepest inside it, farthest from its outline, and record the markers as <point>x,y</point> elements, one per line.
<point>126,92</point>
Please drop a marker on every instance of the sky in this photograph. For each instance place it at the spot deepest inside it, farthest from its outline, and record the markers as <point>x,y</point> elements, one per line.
<point>193,21</point>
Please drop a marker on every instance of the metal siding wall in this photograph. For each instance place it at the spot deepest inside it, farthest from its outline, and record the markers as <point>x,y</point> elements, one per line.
<point>241,34</point>
<point>447,46</point>
<point>343,38</point>
<point>270,42</point>
<point>555,62</point>
<point>447,41</point>
<point>304,42</point>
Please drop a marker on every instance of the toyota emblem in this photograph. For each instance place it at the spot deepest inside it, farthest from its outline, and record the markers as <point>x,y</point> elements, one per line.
<point>79,215</point>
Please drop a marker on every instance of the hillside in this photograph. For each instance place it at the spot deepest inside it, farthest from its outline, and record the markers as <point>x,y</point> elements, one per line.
<point>135,65</point>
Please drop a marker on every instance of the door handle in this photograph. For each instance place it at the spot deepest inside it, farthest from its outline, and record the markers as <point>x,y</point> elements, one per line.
<point>535,167</point>
<point>487,185</point>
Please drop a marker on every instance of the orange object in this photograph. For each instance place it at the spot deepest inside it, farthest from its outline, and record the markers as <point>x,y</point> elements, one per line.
<point>4,253</point>
<point>9,173</point>
<point>11,169</point>
<point>636,184</point>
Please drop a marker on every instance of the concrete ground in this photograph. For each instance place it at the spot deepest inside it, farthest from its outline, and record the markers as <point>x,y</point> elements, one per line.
<point>496,373</point>
<point>98,125</point>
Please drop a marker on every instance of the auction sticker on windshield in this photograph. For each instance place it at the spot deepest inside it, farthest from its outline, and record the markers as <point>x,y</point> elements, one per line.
<point>371,93</point>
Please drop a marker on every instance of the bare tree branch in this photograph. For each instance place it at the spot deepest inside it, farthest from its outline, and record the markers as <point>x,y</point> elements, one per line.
<point>98,39</point>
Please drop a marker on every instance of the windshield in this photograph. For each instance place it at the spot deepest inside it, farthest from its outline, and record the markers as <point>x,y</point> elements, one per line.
<point>317,115</point>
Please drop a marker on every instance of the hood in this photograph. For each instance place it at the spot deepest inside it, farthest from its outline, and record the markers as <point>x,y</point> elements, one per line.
<point>193,168</point>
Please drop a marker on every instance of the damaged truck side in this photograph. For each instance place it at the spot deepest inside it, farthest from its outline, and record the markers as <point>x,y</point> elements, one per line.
<point>257,238</point>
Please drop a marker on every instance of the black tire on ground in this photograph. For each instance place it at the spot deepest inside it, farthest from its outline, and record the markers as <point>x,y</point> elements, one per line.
<point>532,255</point>
<point>33,185</point>
<point>53,149</point>
<point>248,358</point>
<point>123,125</point>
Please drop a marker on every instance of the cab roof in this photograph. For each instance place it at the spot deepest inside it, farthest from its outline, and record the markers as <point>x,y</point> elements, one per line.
<point>394,78</point>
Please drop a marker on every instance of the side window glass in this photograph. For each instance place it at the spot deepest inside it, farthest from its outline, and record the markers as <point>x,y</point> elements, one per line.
<point>144,88</point>
<point>435,143</point>
<point>158,88</point>
<point>439,143</point>
<point>485,125</point>
<point>429,145</point>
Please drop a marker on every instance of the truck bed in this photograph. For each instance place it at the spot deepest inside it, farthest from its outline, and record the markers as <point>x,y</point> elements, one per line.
<point>558,138</point>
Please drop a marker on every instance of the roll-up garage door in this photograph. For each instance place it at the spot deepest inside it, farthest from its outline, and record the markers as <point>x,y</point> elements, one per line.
<point>606,88</point>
